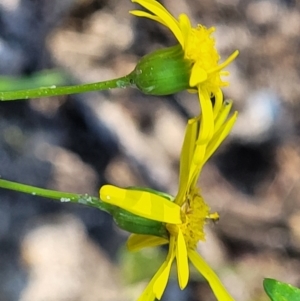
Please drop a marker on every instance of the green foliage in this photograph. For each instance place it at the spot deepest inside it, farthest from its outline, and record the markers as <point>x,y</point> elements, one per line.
<point>279,291</point>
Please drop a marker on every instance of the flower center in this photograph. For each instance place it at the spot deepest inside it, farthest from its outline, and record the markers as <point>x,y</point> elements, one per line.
<point>200,48</point>
<point>194,215</point>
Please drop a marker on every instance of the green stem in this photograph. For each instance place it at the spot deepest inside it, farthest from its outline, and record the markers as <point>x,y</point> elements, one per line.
<point>122,82</point>
<point>83,199</point>
<point>123,218</point>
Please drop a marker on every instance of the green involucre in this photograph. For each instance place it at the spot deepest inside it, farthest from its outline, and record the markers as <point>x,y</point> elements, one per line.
<point>138,225</point>
<point>162,72</point>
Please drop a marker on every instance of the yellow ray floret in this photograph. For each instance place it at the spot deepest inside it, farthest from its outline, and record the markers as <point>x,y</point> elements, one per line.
<point>142,203</point>
<point>185,215</point>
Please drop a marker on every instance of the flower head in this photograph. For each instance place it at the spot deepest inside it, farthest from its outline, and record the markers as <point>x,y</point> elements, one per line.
<point>197,43</point>
<point>186,214</point>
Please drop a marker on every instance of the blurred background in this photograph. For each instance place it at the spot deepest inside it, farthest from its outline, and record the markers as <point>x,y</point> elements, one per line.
<point>64,252</point>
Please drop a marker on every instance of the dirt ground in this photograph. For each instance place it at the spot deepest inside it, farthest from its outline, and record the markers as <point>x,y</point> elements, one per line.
<point>53,251</point>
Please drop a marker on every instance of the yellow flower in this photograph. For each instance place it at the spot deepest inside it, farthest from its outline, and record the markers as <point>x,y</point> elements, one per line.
<point>186,214</point>
<point>198,46</point>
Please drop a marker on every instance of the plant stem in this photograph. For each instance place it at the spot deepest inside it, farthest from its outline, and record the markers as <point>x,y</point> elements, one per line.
<point>122,82</point>
<point>83,199</point>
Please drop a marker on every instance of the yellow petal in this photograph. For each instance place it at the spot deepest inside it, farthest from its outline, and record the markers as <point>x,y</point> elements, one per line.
<point>136,242</point>
<point>187,152</point>
<point>206,132</point>
<point>225,63</point>
<point>142,203</point>
<point>194,175</point>
<point>148,293</point>
<point>155,289</point>
<point>213,280</point>
<point>198,156</point>
<point>207,124</point>
<point>182,261</point>
<point>140,13</point>
<point>162,280</point>
<point>223,114</point>
<point>220,136</point>
<point>185,27</point>
<point>169,21</point>
<point>218,102</point>
<point>198,75</point>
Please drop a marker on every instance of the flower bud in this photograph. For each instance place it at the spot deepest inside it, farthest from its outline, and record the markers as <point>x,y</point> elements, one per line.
<point>162,72</point>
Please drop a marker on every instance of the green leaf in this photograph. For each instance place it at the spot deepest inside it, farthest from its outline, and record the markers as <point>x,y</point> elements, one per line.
<point>279,291</point>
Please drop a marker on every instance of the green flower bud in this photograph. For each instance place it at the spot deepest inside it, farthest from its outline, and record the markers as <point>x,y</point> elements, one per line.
<point>162,72</point>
